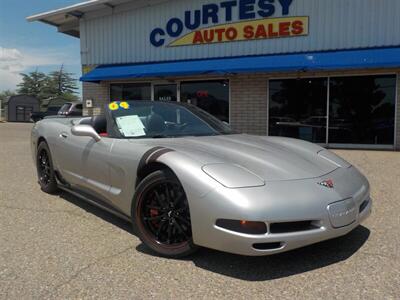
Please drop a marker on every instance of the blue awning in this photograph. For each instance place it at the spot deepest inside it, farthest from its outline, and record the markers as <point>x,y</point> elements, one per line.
<point>318,61</point>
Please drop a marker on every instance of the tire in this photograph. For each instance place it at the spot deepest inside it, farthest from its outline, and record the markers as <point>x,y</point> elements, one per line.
<point>44,165</point>
<point>161,215</point>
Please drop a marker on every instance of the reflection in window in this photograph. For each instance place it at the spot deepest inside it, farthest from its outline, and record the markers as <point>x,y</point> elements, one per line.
<point>297,108</point>
<point>362,110</point>
<point>211,96</point>
<point>130,91</point>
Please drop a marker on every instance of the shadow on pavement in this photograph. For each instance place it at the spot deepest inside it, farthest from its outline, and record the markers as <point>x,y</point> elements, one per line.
<point>254,268</point>
<point>280,265</point>
<point>98,212</point>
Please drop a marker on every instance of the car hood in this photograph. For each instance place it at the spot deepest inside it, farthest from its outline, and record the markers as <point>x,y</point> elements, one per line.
<point>271,158</point>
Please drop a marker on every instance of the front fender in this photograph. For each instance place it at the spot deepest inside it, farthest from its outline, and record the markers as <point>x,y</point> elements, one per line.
<point>194,180</point>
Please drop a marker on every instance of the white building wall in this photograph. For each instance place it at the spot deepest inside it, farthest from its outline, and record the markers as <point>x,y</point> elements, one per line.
<point>121,35</point>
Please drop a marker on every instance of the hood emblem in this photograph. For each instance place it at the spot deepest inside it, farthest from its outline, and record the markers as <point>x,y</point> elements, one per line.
<point>327,183</point>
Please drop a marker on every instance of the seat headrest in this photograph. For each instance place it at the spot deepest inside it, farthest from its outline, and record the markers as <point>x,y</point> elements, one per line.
<point>86,121</point>
<point>155,124</point>
<point>99,123</point>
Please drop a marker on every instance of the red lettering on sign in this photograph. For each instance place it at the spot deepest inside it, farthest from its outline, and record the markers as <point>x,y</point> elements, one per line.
<point>261,33</point>
<point>284,28</point>
<point>231,33</point>
<point>297,27</point>
<point>271,32</point>
<point>220,33</point>
<point>248,32</point>
<point>209,35</point>
<point>198,38</point>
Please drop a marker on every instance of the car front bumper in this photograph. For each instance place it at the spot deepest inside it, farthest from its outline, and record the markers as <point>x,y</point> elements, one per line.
<point>333,212</point>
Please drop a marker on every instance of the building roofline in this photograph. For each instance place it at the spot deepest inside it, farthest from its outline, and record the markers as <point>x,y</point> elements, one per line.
<point>67,19</point>
<point>65,10</point>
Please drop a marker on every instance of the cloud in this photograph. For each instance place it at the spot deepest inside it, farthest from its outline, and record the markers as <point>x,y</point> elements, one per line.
<point>9,54</point>
<point>15,61</point>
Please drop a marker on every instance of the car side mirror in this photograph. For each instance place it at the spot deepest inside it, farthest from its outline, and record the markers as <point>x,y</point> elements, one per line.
<point>85,130</point>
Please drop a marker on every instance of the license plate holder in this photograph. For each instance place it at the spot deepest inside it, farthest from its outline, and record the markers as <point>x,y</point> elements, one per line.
<point>342,213</point>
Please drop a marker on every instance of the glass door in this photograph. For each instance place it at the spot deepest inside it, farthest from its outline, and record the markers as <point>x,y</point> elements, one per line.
<point>362,110</point>
<point>165,92</point>
<point>298,108</point>
<point>24,113</point>
<point>211,96</point>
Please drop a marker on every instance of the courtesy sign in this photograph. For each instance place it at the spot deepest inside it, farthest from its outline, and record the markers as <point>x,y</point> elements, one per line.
<point>230,21</point>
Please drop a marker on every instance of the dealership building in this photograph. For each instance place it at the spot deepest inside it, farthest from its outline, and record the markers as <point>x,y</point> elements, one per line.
<point>319,70</point>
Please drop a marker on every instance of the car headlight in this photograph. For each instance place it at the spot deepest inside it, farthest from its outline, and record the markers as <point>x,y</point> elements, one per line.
<point>232,176</point>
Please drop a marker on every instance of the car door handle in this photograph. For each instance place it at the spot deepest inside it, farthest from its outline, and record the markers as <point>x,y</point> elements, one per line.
<point>63,135</point>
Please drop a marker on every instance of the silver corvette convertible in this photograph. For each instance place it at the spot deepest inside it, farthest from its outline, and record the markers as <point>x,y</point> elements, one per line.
<point>185,179</point>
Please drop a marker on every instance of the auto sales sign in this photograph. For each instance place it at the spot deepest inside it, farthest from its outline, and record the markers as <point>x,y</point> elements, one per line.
<point>230,21</point>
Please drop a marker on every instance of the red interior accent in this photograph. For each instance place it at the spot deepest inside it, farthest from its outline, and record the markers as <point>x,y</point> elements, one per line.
<point>104,134</point>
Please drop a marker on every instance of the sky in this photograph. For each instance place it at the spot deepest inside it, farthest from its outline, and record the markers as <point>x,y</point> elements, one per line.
<point>25,46</point>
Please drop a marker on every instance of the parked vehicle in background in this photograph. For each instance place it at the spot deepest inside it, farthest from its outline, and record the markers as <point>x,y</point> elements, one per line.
<point>51,111</point>
<point>71,109</point>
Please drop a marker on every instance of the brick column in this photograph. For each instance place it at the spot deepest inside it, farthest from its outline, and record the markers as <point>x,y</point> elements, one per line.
<point>99,93</point>
<point>249,104</point>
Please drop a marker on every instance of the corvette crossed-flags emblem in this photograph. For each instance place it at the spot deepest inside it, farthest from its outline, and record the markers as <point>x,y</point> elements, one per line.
<point>327,183</point>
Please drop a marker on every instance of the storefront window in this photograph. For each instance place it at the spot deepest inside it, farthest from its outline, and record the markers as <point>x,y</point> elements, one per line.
<point>130,91</point>
<point>165,92</point>
<point>362,110</point>
<point>297,108</point>
<point>211,96</point>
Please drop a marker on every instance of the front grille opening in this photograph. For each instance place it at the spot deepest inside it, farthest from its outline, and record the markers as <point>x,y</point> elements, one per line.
<point>287,227</point>
<point>267,246</point>
<point>241,226</point>
<point>363,205</point>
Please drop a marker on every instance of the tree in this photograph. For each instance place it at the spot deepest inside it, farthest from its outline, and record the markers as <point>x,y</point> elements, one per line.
<point>5,95</point>
<point>57,84</point>
<point>62,84</point>
<point>33,84</point>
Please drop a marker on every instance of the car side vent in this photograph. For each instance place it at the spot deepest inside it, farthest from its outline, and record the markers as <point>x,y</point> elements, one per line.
<point>287,227</point>
<point>267,246</point>
<point>364,205</point>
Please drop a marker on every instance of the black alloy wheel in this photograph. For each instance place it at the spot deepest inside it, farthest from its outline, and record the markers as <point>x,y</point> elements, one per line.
<point>162,215</point>
<point>44,165</point>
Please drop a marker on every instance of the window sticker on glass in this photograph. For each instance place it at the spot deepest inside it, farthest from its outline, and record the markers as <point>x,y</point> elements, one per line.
<point>131,126</point>
<point>113,106</point>
<point>124,105</point>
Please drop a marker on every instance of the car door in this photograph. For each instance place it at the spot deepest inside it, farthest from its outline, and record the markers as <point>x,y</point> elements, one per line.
<point>83,164</point>
<point>124,161</point>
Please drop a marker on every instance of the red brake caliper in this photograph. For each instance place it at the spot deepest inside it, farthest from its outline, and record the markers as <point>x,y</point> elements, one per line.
<point>154,213</point>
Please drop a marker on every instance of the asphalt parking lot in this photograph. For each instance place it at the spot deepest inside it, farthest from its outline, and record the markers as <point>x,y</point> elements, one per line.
<point>58,247</point>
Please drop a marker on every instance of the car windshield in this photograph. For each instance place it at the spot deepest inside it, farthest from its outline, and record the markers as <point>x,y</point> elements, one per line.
<point>152,119</point>
<point>65,108</point>
<point>53,108</point>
